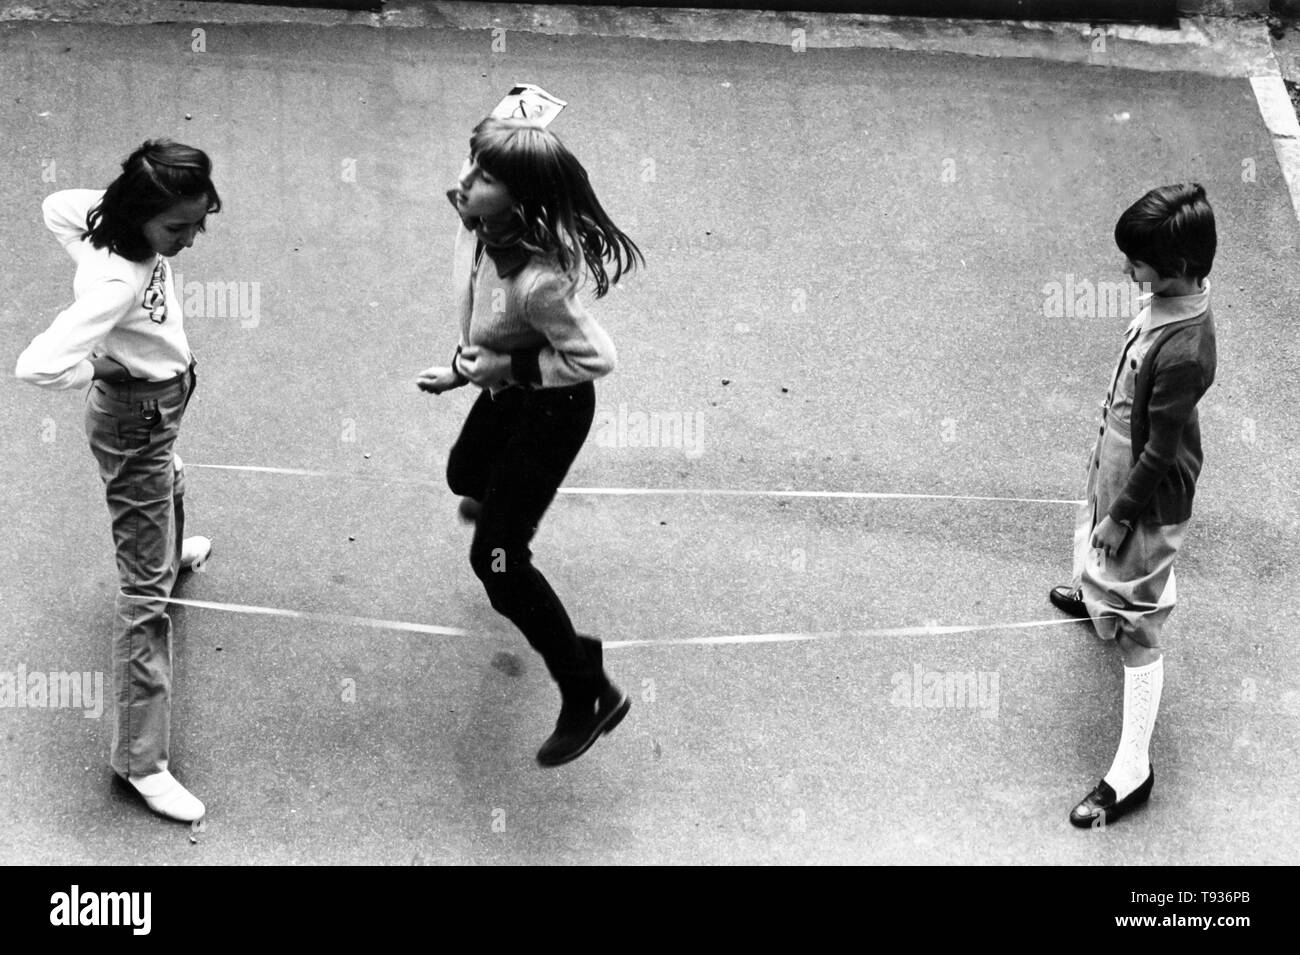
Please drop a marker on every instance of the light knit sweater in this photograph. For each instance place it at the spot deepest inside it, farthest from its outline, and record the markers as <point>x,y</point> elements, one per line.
<point>109,316</point>
<point>527,307</point>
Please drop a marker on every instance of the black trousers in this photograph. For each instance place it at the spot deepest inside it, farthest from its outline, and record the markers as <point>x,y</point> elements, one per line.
<point>513,452</point>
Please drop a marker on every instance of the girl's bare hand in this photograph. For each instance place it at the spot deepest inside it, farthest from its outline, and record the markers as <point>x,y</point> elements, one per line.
<point>437,379</point>
<point>483,366</point>
<point>1108,536</point>
<point>106,369</point>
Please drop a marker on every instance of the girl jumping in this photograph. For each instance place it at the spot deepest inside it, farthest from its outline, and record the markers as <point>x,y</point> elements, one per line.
<point>531,226</point>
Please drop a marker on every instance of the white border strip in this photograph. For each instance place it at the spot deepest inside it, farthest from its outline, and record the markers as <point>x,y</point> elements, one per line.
<point>657,491</point>
<point>1280,118</point>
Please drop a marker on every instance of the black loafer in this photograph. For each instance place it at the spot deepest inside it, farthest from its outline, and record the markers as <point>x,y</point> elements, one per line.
<point>1069,599</point>
<point>580,725</point>
<point>1100,808</point>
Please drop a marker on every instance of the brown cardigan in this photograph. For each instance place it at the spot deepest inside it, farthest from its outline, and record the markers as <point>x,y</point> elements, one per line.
<point>1177,370</point>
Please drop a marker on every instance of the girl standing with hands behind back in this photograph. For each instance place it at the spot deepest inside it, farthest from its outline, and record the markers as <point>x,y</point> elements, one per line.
<point>530,223</point>
<point>124,337</point>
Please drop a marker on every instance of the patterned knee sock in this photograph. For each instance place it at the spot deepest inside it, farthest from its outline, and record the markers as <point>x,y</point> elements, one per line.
<point>1142,686</point>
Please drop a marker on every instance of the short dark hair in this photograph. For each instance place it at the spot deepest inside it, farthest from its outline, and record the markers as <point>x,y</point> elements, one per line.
<point>154,178</point>
<point>1171,229</point>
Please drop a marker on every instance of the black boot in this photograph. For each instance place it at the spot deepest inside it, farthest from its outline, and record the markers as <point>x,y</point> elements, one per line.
<point>591,705</point>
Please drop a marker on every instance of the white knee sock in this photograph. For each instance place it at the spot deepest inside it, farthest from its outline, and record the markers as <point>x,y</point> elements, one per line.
<point>1142,686</point>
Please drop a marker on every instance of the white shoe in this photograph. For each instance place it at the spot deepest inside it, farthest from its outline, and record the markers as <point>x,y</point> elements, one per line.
<point>194,551</point>
<point>167,797</point>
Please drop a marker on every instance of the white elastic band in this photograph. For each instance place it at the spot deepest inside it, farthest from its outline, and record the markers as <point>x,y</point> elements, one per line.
<point>339,618</point>
<point>661,491</point>
<point>377,623</point>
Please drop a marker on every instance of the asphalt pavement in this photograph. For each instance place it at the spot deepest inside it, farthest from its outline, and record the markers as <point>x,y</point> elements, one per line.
<point>851,256</point>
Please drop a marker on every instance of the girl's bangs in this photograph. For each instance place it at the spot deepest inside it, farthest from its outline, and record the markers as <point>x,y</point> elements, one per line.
<point>512,150</point>
<point>492,150</point>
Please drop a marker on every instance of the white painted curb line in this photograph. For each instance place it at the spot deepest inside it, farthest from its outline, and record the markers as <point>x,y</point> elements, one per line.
<point>1280,118</point>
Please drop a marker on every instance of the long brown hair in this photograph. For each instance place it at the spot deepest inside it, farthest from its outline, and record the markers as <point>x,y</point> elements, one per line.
<point>556,210</point>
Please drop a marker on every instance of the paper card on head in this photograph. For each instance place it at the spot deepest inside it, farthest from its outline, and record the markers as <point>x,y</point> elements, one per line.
<point>526,101</point>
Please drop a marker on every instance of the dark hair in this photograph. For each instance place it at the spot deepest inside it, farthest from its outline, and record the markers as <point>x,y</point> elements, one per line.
<point>556,210</point>
<point>154,178</point>
<point>1171,229</point>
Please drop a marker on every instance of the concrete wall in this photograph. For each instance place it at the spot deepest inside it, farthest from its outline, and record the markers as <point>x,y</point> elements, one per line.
<point>1240,8</point>
<point>1147,11</point>
<point>1001,9</point>
<point>1224,8</point>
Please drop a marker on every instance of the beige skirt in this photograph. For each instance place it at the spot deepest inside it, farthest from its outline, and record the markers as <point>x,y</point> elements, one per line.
<point>1131,592</point>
